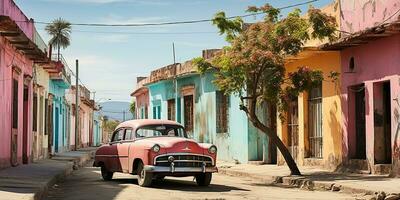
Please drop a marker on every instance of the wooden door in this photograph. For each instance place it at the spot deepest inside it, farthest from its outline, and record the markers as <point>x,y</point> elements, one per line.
<point>293,129</point>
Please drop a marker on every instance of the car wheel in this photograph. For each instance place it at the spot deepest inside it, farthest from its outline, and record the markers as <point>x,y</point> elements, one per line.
<point>203,179</point>
<point>107,175</point>
<point>144,178</point>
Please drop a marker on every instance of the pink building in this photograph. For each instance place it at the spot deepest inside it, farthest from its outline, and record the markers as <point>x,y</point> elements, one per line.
<point>370,86</point>
<point>18,52</point>
<point>141,95</point>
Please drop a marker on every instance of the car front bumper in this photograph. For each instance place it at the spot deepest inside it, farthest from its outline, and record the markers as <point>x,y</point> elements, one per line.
<point>160,169</point>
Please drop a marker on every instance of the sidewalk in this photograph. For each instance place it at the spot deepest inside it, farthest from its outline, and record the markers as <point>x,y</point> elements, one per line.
<point>315,179</point>
<point>32,181</point>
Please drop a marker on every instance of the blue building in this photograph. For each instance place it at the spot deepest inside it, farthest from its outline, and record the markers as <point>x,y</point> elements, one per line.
<point>178,92</point>
<point>61,110</point>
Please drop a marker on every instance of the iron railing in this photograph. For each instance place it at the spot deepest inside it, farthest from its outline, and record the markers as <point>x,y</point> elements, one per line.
<point>66,71</point>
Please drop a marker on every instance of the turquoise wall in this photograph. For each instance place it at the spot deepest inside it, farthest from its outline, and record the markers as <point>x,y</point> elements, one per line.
<point>236,144</point>
<point>60,113</point>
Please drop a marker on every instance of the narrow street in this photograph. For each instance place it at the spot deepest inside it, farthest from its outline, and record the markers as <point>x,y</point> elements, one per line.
<point>87,184</point>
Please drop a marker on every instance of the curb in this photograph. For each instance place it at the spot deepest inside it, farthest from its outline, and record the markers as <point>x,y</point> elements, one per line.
<point>298,182</point>
<point>71,165</point>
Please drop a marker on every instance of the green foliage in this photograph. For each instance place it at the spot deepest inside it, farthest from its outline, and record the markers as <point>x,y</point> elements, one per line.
<point>253,65</point>
<point>110,125</point>
<point>231,28</point>
<point>324,26</point>
<point>60,30</point>
<point>132,107</point>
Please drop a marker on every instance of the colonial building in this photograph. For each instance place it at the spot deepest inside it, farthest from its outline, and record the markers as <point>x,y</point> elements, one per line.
<point>141,95</point>
<point>178,92</point>
<point>312,128</point>
<point>18,53</point>
<point>370,89</point>
<point>85,132</point>
<point>59,82</point>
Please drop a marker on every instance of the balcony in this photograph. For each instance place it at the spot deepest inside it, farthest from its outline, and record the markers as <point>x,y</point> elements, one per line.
<point>19,31</point>
<point>8,9</point>
<point>64,73</point>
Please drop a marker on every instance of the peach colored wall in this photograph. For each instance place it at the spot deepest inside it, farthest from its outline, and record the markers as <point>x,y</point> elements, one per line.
<point>331,111</point>
<point>8,58</point>
<point>142,100</point>
<point>375,62</point>
<point>357,15</point>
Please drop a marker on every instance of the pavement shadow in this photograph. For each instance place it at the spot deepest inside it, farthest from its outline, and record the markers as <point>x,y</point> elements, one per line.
<point>328,176</point>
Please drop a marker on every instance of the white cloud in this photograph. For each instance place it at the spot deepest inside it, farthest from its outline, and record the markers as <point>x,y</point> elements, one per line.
<point>116,19</point>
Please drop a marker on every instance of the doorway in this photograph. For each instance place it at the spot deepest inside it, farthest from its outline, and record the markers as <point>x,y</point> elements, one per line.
<point>14,130</point>
<point>188,114</point>
<point>25,153</point>
<point>359,110</point>
<point>293,128</point>
<point>56,130</point>
<point>382,123</point>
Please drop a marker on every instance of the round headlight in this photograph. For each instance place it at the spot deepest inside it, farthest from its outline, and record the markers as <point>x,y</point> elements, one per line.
<point>212,149</point>
<point>156,148</point>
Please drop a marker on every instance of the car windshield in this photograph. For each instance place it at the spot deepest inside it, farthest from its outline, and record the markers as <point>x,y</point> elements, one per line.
<point>160,130</point>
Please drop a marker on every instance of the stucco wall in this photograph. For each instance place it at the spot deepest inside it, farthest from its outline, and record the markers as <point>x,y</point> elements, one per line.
<point>232,145</point>
<point>331,112</point>
<point>357,15</point>
<point>377,61</point>
<point>9,58</point>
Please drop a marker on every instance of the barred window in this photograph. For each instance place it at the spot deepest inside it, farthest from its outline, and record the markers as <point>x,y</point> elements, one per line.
<point>222,105</point>
<point>188,113</point>
<point>315,121</point>
<point>171,109</point>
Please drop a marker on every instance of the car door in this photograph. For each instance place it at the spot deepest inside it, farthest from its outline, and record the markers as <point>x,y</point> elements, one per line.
<point>114,162</point>
<point>123,150</point>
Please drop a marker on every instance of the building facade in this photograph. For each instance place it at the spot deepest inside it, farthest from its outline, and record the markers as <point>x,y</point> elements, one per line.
<point>370,89</point>
<point>59,82</point>
<point>18,53</point>
<point>178,92</point>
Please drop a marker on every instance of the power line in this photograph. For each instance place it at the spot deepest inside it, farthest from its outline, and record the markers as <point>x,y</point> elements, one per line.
<point>175,22</point>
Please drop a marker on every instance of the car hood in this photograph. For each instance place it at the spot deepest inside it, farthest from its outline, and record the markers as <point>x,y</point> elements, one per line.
<point>175,144</point>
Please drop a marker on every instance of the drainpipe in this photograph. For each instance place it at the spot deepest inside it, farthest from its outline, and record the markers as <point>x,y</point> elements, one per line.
<point>176,84</point>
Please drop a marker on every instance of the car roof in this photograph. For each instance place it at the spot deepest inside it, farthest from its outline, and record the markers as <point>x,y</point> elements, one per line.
<point>145,122</point>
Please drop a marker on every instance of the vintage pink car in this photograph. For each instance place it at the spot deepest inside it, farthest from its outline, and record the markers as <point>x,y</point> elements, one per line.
<point>153,149</point>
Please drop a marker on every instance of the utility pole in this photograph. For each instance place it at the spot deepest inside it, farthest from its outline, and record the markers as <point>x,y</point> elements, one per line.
<point>77,105</point>
<point>124,115</point>
<point>94,108</point>
<point>175,84</point>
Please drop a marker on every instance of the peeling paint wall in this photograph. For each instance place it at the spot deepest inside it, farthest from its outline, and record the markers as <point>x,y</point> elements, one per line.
<point>372,66</point>
<point>233,145</point>
<point>357,15</point>
<point>331,113</point>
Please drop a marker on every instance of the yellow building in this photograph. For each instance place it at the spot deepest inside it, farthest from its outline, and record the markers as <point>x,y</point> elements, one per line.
<point>312,128</point>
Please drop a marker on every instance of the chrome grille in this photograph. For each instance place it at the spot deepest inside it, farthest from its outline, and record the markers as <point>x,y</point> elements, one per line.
<point>185,160</point>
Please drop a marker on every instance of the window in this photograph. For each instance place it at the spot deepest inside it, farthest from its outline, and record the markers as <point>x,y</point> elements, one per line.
<point>35,112</point>
<point>156,112</point>
<point>128,134</point>
<point>160,130</point>
<point>293,128</point>
<point>15,104</point>
<point>118,135</point>
<point>315,121</point>
<point>222,105</point>
<point>188,113</point>
<point>171,109</point>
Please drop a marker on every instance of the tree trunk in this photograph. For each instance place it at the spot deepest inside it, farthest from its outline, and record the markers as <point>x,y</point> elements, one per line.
<point>251,114</point>
<point>294,170</point>
<point>58,53</point>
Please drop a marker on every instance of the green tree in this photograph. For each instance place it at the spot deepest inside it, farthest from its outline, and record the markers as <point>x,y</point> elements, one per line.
<point>132,108</point>
<point>60,31</point>
<point>252,66</point>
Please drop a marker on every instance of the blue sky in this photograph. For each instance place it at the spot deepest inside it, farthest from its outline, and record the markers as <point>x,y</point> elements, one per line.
<point>112,57</point>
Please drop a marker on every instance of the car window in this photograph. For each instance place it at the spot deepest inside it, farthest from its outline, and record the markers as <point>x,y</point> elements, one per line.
<point>128,134</point>
<point>118,135</point>
<point>160,130</point>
